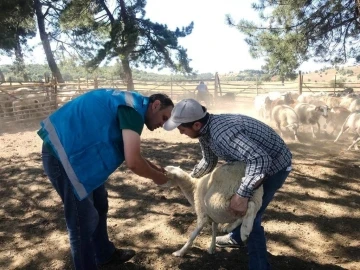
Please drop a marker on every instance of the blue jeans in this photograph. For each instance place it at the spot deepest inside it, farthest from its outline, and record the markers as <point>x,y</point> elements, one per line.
<point>257,242</point>
<point>85,220</point>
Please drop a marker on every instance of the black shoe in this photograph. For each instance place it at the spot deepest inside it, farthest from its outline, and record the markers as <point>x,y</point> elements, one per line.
<point>119,256</point>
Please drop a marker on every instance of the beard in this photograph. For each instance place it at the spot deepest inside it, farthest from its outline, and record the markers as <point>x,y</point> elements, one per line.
<point>147,123</point>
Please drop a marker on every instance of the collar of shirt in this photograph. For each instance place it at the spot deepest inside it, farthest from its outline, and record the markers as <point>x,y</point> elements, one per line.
<point>205,128</point>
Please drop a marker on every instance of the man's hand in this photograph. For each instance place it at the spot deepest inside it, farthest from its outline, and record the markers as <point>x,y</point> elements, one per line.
<point>238,205</point>
<point>160,179</point>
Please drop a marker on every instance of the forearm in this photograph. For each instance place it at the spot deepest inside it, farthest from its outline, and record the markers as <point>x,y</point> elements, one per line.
<point>143,168</point>
<point>153,166</point>
<point>248,185</point>
<point>203,167</point>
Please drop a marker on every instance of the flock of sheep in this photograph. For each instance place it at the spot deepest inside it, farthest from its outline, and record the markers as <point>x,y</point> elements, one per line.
<point>341,112</point>
<point>31,103</point>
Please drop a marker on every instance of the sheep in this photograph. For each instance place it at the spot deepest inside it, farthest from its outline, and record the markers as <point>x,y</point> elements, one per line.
<point>262,105</point>
<point>354,105</point>
<point>30,105</point>
<point>337,117</point>
<point>352,123</point>
<point>347,100</point>
<point>285,99</point>
<point>310,114</point>
<point>210,196</point>
<point>308,97</point>
<point>285,116</point>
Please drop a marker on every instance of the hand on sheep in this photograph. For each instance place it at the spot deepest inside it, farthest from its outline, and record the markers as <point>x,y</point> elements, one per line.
<point>238,205</point>
<point>160,179</point>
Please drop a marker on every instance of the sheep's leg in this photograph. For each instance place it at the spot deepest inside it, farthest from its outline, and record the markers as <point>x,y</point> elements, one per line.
<point>248,222</point>
<point>341,132</point>
<point>231,226</point>
<point>211,249</point>
<point>318,124</point>
<point>355,141</point>
<point>194,234</point>
<point>294,130</point>
<point>313,133</point>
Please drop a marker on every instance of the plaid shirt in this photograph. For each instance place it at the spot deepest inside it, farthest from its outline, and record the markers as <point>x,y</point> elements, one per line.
<point>236,137</point>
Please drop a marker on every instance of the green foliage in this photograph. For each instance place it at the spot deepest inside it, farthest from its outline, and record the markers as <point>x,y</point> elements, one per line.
<point>344,72</point>
<point>17,24</point>
<point>73,72</point>
<point>99,34</point>
<point>358,77</point>
<point>296,30</point>
<point>339,83</point>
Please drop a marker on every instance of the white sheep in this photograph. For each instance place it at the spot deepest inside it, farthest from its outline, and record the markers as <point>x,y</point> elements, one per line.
<point>210,195</point>
<point>352,123</point>
<point>310,115</point>
<point>285,116</point>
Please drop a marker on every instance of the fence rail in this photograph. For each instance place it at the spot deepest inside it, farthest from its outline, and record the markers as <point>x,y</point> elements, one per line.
<point>48,96</point>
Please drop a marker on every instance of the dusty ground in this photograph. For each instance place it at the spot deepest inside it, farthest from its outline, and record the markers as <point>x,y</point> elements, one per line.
<point>313,222</point>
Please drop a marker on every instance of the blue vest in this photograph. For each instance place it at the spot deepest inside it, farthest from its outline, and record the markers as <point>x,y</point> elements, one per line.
<point>86,137</point>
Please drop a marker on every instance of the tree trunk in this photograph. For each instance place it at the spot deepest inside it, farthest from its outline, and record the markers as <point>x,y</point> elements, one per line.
<point>19,60</point>
<point>2,77</point>
<point>45,42</point>
<point>128,74</point>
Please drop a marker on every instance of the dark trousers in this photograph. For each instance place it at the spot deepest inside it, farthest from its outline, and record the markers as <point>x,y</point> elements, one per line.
<point>257,242</point>
<point>86,220</point>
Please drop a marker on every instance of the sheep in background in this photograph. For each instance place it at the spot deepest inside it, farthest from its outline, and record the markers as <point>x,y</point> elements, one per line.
<point>262,104</point>
<point>310,114</point>
<point>210,195</point>
<point>337,117</point>
<point>285,99</point>
<point>354,105</point>
<point>352,124</point>
<point>285,116</point>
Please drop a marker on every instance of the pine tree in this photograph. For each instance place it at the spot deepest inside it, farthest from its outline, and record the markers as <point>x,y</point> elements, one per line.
<point>99,34</point>
<point>295,30</point>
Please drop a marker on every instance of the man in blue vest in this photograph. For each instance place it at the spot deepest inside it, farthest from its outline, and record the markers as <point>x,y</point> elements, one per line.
<point>85,141</point>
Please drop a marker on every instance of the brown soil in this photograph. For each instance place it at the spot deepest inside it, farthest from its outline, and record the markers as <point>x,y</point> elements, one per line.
<point>313,222</point>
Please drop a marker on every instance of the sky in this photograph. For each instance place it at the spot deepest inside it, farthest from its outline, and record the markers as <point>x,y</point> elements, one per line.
<point>213,46</point>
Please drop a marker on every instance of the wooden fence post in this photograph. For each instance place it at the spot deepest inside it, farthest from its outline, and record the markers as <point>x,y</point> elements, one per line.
<point>216,89</point>
<point>96,84</point>
<point>55,92</point>
<point>300,82</point>
<point>257,86</point>
<point>335,84</point>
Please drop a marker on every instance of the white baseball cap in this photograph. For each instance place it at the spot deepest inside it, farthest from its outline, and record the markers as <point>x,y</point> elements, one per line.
<point>186,111</point>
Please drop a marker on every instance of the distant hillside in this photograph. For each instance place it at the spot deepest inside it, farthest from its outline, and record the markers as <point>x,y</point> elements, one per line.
<point>344,74</point>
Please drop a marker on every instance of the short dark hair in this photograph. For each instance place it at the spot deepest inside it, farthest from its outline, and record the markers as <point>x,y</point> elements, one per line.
<point>202,120</point>
<point>165,101</point>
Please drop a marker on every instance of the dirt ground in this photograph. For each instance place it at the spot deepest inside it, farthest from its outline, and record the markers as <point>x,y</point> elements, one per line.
<point>313,222</point>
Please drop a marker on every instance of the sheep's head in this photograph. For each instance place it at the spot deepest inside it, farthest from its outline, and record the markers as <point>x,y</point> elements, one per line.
<point>174,173</point>
<point>323,110</point>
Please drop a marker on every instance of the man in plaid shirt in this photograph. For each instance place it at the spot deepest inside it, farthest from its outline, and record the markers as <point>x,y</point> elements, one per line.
<point>236,137</point>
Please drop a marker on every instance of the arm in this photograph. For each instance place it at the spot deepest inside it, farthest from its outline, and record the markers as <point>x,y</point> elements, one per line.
<point>154,166</point>
<point>257,161</point>
<point>135,161</point>
<point>207,163</point>
<point>257,164</point>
